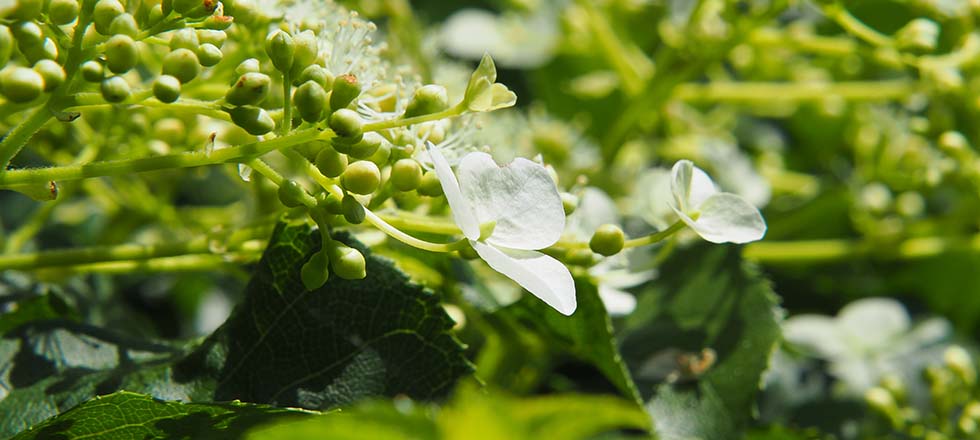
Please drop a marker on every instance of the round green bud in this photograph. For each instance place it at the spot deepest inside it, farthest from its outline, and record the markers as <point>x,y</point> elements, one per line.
<point>347,263</point>
<point>343,145</point>
<point>166,88</point>
<point>47,50</point>
<point>256,121</point>
<point>6,45</point>
<point>291,194</point>
<point>430,185</point>
<point>607,240</point>
<point>331,204</point>
<point>209,54</point>
<point>280,48</point>
<point>27,9</point>
<point>218,22</point>
<point>124,24</point>
<point>115,89</point>
<point>367,146</point>
<point>431,98</point>
<point>568,202</point>
<point>121,53</point>
<point>317,74</point>
<point>20,84</point>
<point>63,11</point>
<point>406,174</point>
<point>316,270</point>
<point>155,15</point>
<point>51,72</point>
<point>185,38</point>
<point>330,162</point>
<point>247,66</point>
<point>106,11</point>
<point>362,177</point>
<point>28,34</point>
<point>346,88</point>
<point>346,123</point>
<point>92,71</point>
<point>306,51</point>
<point>181,64</point>
<point>310,100</point>
<point>382,155</point>
<point>352,210</point>
<point>211,36</point>
<point>250,89</point>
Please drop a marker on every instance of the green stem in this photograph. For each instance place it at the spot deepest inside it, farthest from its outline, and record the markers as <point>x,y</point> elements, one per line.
<point>287,107</point>
<point>412,222</point>
<point>655,237</point>
<point>237,154</point>
<point>856,27</point>
<point>181,263</point>
<point>612,48</point>
<point>18,137</point>
<point>276,178</point>
<point>835,250</point>
<point>395,123</point>
<point>768,91</point>
<point>397,234</point>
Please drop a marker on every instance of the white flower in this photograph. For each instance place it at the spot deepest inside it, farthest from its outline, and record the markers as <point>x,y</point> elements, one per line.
<point>507,213</point>
<point>516,40</point>
<point>720,217</point>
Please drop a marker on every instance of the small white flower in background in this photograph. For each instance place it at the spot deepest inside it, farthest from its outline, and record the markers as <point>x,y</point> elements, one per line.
<point>515,40</point>
<point>716,216</point>
<point>520,204</point>
<point>867,340</point>
<point>613,274</point>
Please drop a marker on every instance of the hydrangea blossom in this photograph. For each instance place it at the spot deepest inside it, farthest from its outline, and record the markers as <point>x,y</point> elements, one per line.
<point>507,213</point>
<point>718,217</point>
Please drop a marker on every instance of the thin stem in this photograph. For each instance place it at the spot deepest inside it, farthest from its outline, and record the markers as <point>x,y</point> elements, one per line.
<point>412,222</point>
<point>856,27</point>
<point>655,237</point>
<point>237,154</point>
<point>770,91</point>
<point>835,250</point>
<point>397,234</point>
<point>395,123</point>
<point>18,137</point>
<point>612,48</point>
<point>287,107</point>
<point>276,178</point>
<point>180,263</point>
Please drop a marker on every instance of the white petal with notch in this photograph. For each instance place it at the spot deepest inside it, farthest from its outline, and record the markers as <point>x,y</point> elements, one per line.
<point>543,276</point>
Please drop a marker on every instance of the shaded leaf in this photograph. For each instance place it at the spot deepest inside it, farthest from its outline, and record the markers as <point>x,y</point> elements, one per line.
<point>124,416</point>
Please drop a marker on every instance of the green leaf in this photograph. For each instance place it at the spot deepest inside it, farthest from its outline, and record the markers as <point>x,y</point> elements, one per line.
<point>705,298</point>
<point>124,415</point>
<point>471,414</point>
<point>284,345</point>
<point>587,334</point>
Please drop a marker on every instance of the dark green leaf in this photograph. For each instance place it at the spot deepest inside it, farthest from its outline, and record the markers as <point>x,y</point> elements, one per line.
<point>381,336</point>
<point>706,298</point>
<point>124,416</point>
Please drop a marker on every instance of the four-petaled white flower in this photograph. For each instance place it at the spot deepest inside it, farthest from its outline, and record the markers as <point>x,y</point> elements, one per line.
<point>507,213</point>
<point>718,217</point>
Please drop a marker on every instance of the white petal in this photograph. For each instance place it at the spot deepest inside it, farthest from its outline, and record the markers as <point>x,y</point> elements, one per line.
<point>520,197</point>
<point>462,210</point>
<point>469,33</point>
<point>728,218</point>
<point>690,185</point>
<point>817,334</point>
<point>655,207</point>
<point>617,302</point>
<point>874,323</point>
<point>543,276</point>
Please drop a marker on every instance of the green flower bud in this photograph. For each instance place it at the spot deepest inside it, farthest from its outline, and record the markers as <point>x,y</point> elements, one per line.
<point>26,9</point>
<point>345,89</point>
<point>920,34</point>
<point>247,66</point>
<point>382,155</point>
<point>347,263</point>
<point>28,34</point>
<point>280,48</point>
<point>124,24</point>
<point>92,71</point>
<point>316,270</point>
<point>256,121</point>
<point>51,72</point>
<point>427,99</point>
<point>367,146</point>
<point>121,53</point>
<point>406,174</point>
<point>569,202</point>
<point>209,55</point>
<point>343,145</point>
<point>607,240</point>
<point>317,74</point>
<point>115,89</point>
<point>47,50</point>
<point>960,363</point>
<point>63,11</point>
<point>332,204</point>
<point>310,100</point>
<point>430,185</point>
<point>20,84</point>
<point>155,15</point>
<point>6,45</point>
<point>106,11</point>
<point>362,177</point>
<point>185,38</point>
<point>210,36</point>
<point>218,22</point>
<point>352,210</point>
<point>181,64</point>
<point>291,194</point>
<point>580,257</point>
<point>346,123</point>
<point>250,89</point>
<point>330,162</point>
<point>306,51</point>
<point>166,88</point>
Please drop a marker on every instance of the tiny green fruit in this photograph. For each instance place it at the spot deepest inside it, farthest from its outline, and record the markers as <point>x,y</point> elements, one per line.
<point>406,174</point>
<point>209,54</point>
<point>51,72</point>
<point>352,210</point>
<point>346,88</point>
<point>427,99</point>
<point>430,185</point>
<point>280,48</point>
<point>291,194</point>
<point>121,53</point>
<point>330,162</point>
<point>316,270</point>
<point>20,84</point>
<point>106,11</point>
<point>362,177</point>
<point>256,121</point>
<point>367,146</point>
<point>317,74</point>
<point>346,123</point>
<point>92,71</point>
<point>182,64</point>
<point>348,263</point>
<point>62,12</point>
<point>310,100</point>
<point>607,240</point>
<point>115,89</point>
<point>6,44</point>
<point>124,24</point>
<point>250,89</point>
<point>211,36</point>
<point>166,88</point>
<point>185,38</point>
